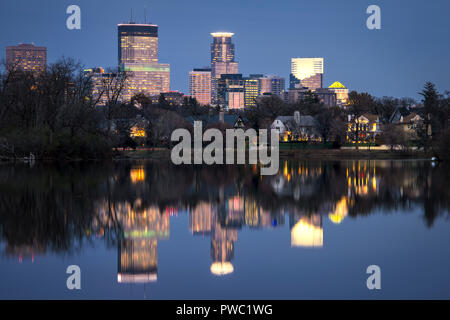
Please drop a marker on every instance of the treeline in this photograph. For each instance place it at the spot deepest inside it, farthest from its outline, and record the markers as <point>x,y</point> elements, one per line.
<point>54,114</point>
<point>50,114</point>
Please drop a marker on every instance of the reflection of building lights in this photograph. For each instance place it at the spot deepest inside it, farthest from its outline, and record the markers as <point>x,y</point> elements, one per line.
<point>340,212</point>
<point>221,268</point>
<point>137,175</point>
<point>305,234</point>
<point>137,278</point>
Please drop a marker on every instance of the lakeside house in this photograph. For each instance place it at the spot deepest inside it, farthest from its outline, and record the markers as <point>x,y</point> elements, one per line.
<point>363,128</point>
<point>409,121</point>
<point>410,124</point>
<point>296,128</point>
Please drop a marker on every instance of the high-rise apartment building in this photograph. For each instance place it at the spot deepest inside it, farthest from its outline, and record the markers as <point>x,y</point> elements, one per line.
<point>307,73</point>
<point>222,60</point>
<point>200,85</point>
<point>26,57</point>
<point>138,56</point>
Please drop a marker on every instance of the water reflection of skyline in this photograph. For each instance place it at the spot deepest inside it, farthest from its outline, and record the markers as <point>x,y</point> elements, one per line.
<point>130,206</point>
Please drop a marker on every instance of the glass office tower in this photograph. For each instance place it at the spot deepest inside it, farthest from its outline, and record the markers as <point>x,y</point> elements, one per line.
<point>306,72</point>
<point>138,56</point>
<point>222,60</point>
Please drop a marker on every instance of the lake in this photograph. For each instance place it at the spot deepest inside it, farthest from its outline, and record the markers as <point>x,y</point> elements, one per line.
<point>152,230</point>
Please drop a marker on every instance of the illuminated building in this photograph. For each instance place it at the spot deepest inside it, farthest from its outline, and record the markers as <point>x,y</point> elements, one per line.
<point>104,85</point>
<point>230,91</point>
<point>272,85</point>
<point>26,57</point>
<point>341,93</point>
<point>306,231</point>
<point>172,98</point>
<point>222,60</point>
<point>138,56</point>
<point>307,73</point>
<point>251,91</point>
<point>363,129</point>
<point>200,85</point>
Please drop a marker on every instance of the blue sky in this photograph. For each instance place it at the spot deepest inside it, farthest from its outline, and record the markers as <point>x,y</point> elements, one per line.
<point>411,48</point>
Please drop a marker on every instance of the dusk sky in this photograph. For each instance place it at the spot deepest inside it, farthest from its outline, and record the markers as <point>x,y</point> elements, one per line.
<point>411,48</point>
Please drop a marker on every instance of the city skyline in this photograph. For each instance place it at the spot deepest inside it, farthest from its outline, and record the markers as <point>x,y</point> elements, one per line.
<point>365,66</point>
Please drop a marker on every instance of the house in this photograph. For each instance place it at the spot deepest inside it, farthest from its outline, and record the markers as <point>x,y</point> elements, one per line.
<point>410,122</point>
<point>363,128</point>
<point>296,128</point>
<point>139,128</point>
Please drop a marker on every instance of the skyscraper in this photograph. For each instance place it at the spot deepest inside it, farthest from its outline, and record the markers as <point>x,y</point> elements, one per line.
<point>222,59</point>
<point>306,72</point>
<point>138,56</point>
<point>26,57</point>
<point>200,85</point>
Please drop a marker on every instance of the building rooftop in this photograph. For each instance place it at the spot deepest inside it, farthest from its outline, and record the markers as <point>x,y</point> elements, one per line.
<point>337,85</point>
<point>222,34</point>
<point>137,24</point>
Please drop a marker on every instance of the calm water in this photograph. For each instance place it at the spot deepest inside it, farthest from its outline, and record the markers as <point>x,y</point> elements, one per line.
<point>150,230</point>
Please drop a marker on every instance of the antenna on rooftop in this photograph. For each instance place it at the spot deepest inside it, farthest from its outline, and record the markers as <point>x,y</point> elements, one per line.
<point>145,14</point>
<point>131,18</point>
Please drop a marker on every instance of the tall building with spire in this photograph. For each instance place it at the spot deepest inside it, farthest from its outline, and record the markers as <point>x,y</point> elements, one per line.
<point>222,59</point>
<point>138,56</point>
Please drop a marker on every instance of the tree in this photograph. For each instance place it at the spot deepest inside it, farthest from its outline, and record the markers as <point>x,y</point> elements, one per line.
<point>393,135</point>
<point>360,103</point>
<point>431,105</point>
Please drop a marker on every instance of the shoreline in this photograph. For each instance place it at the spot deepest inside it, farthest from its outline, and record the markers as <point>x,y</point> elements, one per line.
<point>314,154</point>
<point>297,154</point>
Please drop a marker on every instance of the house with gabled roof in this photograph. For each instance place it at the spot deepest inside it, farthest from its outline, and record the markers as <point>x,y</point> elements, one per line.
<point>296,127</point>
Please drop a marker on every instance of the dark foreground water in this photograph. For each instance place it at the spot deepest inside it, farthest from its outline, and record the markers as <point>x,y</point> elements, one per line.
<point>152,230</point>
